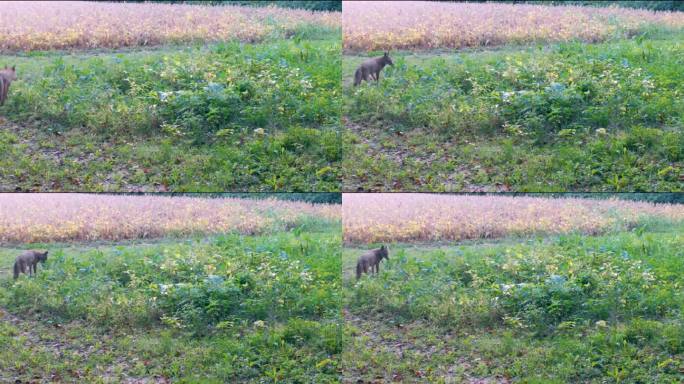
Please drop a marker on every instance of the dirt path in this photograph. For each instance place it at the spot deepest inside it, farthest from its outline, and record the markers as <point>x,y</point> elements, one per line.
<point>66,158</point>
<point>399,150</point>
<point>27,332</point>
<point>382,338</point>
<point>56,343</point>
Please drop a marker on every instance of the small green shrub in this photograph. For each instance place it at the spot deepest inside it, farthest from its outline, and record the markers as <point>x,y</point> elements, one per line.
<point>193,92</point>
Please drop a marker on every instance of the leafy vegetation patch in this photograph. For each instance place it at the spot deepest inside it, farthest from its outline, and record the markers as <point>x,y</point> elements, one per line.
<point>565,309</point>
<point>187,92</point>
<point>225,309</point>
<point>568,117</point>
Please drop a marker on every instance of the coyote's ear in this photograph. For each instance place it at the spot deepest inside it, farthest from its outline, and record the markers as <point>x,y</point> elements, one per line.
<point>382,247</point>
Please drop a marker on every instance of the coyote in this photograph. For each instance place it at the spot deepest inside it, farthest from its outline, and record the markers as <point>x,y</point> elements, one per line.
<point>29,259</point>
<point>7,76</point>
<point>371,68</point>
<point>371,259</point>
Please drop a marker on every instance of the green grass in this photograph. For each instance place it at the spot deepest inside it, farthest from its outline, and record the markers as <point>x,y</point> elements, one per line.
<point>566,309</point>
<point>223,309</point>
<point>228,116</point>
<point>563,117</point>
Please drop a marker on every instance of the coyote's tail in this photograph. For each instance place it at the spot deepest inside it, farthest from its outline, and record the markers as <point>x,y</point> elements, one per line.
<point>2,91</point>
<point>16,270</point>
<point>357,77</point>
<point>358,271</point>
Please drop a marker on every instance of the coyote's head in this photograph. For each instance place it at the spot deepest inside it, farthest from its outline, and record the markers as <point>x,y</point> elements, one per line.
<point>386,59</point>
<point>11,72</point>
<point>382,253</point>
<point>42,256</point>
